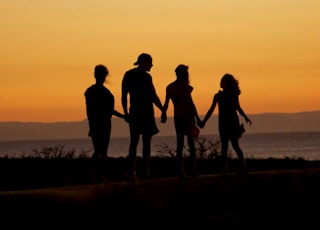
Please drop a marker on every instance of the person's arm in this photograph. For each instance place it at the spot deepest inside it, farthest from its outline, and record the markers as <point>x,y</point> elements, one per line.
<point>165,108</point>
<point>157,102</point>
<point>155,99</point>
<point>197,117</point>
<point>210,111</point>
<point>195,112</point>
<point>242,113</point>
<point>118,114</point>
<point>88,113</point>
<point>124,99</point>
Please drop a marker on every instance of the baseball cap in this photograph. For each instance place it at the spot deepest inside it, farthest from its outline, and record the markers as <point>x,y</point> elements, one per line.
<point>142,57</point>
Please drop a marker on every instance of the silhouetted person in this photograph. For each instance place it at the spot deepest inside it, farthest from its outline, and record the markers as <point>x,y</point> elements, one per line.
<point>185,116</point>
<point>229,127</point>
<point>137,84</point>
<point>100,108</point>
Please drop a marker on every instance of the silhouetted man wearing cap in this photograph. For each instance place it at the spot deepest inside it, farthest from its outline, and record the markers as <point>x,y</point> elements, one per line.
<point>137,83</point>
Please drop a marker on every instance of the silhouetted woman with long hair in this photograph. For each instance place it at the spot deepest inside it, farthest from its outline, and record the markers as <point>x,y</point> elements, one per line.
<point>185,116</point>
<point>229,126</point>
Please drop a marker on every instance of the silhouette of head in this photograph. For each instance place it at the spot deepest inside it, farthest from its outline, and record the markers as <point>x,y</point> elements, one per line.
<point>100,73</point>
<point>228,82</point>
<point>182,73</point>
<point>144,61</point>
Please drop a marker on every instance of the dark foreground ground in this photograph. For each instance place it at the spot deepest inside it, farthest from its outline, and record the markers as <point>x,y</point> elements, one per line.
<point>34,173</point>
<point>271,195</point>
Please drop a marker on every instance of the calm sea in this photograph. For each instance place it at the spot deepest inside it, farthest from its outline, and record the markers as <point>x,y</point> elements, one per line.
<point>304,145</point>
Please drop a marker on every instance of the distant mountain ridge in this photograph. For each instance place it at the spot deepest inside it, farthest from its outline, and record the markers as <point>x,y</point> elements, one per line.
<point>261,123</point>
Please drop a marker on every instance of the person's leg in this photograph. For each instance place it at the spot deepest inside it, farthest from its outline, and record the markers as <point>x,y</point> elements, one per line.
<point>104,156</point>
<point>146,154</point>
<point>180,160</point>
<point>180,127</point>
<point>94,159</point>
<point>224,154</point>
<point>134,141</point>
<point>98,160</point>
<point>193,158</point>
<point>238,150</point>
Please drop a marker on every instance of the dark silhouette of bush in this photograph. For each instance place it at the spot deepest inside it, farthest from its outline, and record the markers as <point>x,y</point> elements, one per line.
<point>55,166</point>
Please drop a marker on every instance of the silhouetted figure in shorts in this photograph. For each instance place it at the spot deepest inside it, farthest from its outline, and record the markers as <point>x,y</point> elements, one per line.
<point>139,112</point>
<point>185,117</point>
<point>100,108</point>
<point>229,126</point>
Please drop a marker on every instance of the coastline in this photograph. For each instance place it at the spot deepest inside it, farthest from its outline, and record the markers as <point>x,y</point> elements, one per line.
<point>264,145</point>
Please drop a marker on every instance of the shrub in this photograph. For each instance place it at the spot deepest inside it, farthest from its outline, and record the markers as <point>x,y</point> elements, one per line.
<point>53,152</point>
<point>206,148</point>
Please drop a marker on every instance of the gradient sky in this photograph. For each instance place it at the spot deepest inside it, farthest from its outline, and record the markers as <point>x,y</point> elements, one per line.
<point>49,50</point>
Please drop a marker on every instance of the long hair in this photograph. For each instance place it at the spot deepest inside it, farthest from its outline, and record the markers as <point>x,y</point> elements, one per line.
<point>182,73</point>
<point>229,83</point>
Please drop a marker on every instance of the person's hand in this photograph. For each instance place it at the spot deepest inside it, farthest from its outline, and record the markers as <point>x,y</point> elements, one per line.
<point>127,118</point>
<point>163,117</point>
<point>200,124</point>
<point>248,121</point>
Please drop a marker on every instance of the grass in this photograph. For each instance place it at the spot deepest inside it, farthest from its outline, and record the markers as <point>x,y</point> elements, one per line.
<point>55,166</point>
<point>265,198</point>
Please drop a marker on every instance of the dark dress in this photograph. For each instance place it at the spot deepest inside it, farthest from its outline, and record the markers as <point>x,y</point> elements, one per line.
<point>184,113</point>
<point>140,87</point>
<point>228,116</point>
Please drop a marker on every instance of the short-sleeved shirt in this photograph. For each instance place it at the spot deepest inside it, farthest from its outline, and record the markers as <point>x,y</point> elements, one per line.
<point>138,84</point>
<point>99,108</point>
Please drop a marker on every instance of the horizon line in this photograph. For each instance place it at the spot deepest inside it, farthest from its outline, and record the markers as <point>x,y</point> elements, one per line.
<point>114,117</point>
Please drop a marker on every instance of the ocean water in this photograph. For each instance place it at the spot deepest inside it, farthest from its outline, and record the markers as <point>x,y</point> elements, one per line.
<point>305,145</point>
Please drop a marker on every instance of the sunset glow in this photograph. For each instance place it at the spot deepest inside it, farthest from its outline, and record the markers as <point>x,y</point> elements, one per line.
<point>49,50</point>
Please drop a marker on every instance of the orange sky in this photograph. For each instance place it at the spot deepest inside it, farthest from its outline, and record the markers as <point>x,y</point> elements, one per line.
<point>49,50</point>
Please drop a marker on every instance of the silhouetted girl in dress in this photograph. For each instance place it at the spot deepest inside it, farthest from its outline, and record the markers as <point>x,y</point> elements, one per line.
<point>185,116</point>
<point>229,126</point>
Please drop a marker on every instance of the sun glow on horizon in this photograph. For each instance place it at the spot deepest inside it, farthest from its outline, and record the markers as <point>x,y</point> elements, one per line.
<point>49,50</point>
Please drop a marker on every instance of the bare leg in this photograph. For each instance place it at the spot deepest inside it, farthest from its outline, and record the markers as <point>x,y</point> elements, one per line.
<point>224,156</point>
<point>146,153</point>
<point>180,161</point>
<point>193,159</point>
<point>98,159</point>
<point>238,150</point>
<point>134,141</point>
